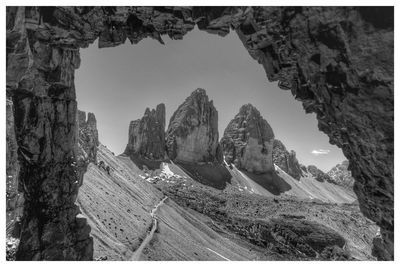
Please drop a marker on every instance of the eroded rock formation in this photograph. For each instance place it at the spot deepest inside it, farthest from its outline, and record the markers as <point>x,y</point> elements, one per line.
<point>192,134</point>
<point>341,175</point>
<point>147,135</point>
<point>286,160</point>
<point>337,60</point>
<point>248,141</point>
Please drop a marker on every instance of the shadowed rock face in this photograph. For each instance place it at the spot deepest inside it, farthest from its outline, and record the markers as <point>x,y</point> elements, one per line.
<point>192,134</point>
<point>337,60</point>
<point>248,141</point>
<point>286,160</point>
<point>147,135</point>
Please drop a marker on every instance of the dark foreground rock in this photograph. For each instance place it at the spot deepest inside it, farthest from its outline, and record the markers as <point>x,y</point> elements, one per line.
<point>248,141</point>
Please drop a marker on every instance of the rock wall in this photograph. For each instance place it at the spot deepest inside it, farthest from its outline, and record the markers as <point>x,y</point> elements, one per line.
<point>40,81</point>
<point>146,136</point>
<point>339,63</point>
<point>337,60</point>
<point>192,134</point>
<point>14,197</point>
<point>248,141</point>
<point>286,160</point>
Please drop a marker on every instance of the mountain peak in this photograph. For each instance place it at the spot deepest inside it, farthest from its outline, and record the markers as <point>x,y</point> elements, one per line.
<point>248,141</point>
<point>192,134</point>
<point>146,135</point>
<point>199,91</point>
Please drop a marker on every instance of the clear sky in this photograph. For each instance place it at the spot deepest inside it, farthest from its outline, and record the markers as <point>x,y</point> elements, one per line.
<point>117,84</point>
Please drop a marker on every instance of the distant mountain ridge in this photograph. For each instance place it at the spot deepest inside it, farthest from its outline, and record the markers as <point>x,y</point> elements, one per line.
<point>191,140</point>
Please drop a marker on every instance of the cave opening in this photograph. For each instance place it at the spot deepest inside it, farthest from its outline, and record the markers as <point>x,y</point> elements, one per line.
<point>44,105</point>
<point>121,82</point>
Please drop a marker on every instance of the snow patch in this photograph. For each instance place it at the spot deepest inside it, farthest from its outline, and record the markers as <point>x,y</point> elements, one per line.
<point>166,170</point>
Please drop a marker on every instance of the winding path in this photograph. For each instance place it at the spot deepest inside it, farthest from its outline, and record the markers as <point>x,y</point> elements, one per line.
<point>146,241</point>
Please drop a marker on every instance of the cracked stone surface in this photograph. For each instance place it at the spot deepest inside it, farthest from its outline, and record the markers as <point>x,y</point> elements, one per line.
<point>337,60</point>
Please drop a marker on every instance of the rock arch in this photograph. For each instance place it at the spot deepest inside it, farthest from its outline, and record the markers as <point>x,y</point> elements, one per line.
<point>337,60</point>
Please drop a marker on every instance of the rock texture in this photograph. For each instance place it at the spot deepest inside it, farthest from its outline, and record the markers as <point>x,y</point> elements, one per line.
<point>14,197</point>
<point>147,135</point>
<point>88,136</point>
<point>286,160</point>
<point>192,134</point>
<point>303,229</point>
<point>248,141</point>
<point>337,60</point>
<point>341,175</point>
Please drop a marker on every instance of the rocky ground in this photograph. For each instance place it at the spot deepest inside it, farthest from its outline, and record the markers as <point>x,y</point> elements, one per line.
<point>240,212</point>
<point>199,222</point>
<point>118,207</point>
<point>233,200</point>
<point>234,212</point>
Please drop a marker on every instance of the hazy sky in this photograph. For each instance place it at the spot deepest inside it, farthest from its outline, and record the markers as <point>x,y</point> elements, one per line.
<point>117,84</point>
